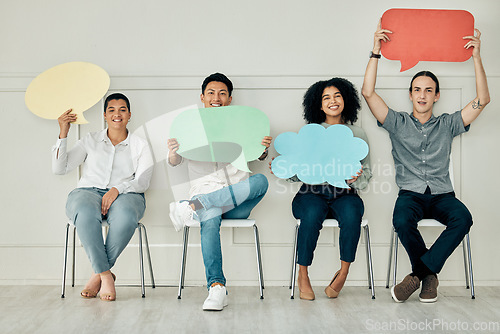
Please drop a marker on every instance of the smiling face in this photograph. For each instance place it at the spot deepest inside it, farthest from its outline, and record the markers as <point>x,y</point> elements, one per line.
<point>216,94</point>
<point>332,104</point>
<point>423,95</point>
<point>117,114</point>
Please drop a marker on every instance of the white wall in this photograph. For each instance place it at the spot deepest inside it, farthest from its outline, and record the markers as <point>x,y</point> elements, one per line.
<point>158,53</point>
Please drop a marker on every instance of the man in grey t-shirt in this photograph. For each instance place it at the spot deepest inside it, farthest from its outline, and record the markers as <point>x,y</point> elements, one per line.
<point>421,147</point>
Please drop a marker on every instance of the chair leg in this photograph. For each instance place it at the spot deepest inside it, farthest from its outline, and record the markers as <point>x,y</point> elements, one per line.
<point>368,256</point>
<point>259,261</point>
<point>369,261</point>
<point>395,262</point>
<point>65,261</point>
<point>390,259</point>
<point>466,268</point>
<point>183,260</point>
<point>293,257</point>
<point>294,263</point>
<point>472,292</point>
<point>148,254</point>
<point>73,264</point>
<point>141,262</point>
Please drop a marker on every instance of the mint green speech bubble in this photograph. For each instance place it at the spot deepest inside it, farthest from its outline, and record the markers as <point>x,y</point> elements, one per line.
<point>224,134</point>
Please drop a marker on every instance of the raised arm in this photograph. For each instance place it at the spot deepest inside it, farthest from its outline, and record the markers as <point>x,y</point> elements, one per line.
<point>474,108</point>
<point>62,160</point>
<point>377,106</point>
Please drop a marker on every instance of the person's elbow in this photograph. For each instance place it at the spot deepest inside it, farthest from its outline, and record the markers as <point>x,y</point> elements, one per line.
<point>485,100</point>
<point>57,170</point>
<point>142,186</point>
<point>367,93</point>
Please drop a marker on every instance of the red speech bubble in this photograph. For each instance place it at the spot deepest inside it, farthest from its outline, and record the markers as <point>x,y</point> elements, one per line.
<point>427,35</point>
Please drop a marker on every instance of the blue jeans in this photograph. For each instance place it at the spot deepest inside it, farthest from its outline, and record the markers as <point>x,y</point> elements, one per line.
<point>411,207</point>
<point>84,209</point>
<point>315,203</point>
<point>232,202</point>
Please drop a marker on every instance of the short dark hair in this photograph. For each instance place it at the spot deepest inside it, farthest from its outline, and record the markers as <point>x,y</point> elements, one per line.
<point>116,96</point>
<point>425,74</point>
<point>313,99</point>
<point>219,77</point>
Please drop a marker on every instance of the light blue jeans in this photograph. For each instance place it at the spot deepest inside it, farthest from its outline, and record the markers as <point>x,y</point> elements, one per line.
<point>84,209</point>
<point>232,202</point>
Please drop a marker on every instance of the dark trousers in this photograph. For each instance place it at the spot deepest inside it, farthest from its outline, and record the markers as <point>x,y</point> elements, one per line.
<point>411,207</point>
<point>312,205</point>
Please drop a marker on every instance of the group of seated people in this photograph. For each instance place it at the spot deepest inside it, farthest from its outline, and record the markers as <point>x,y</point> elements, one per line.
<point>117,168</point>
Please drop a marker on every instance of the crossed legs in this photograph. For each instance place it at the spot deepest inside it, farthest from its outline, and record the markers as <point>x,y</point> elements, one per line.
<point>233,202</point>
<point>411,207</point>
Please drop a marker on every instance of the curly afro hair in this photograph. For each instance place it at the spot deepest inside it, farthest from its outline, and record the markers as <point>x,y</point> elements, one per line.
<point>313,97</point>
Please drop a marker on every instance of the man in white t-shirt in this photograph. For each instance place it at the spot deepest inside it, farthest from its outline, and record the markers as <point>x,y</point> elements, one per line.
<point>218,190</point>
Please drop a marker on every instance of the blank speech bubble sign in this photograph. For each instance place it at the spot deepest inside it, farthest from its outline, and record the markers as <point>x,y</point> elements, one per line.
<point>317,155</point>
<point>74,85</point>
<point>427,35</point>
<point>224,134</point>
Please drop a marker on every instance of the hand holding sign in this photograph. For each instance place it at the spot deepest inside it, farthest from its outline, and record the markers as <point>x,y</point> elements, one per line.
<point>427,35</point>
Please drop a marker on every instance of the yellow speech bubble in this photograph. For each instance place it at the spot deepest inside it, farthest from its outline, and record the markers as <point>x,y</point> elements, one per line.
<point>74,85</point>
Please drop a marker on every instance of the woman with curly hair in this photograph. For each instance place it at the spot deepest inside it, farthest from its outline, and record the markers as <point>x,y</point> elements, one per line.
<point>330,102</point>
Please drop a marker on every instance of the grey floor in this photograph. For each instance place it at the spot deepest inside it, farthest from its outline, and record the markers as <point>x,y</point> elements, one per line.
<point>39,309</point>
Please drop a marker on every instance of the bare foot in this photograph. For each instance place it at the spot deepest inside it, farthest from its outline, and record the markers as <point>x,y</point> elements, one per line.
<point>339,281</point>
<point>108,292</point>
<point>92,287</point>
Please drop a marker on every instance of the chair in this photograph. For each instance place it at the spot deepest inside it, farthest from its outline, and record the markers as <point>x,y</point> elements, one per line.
<point>234,223</point>
<point>335,223</point>
<point>469,276</point>
<point>105,224</point>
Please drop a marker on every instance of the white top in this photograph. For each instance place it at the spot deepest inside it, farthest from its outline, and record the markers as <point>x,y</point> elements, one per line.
<point>206,177</point>
<point>128,166</point>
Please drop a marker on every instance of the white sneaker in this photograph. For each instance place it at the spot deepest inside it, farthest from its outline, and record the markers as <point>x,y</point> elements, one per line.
<point>182,215</point>
<point>216,300</point>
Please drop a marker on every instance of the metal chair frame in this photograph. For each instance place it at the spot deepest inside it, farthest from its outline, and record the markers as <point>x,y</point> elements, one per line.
<point>393,253</point>
<point>335,223</point>
<point>233,223</point>
<point>140,227</point>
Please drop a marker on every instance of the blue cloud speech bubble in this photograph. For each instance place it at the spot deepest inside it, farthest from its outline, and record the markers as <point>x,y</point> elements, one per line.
<point>317,155</point>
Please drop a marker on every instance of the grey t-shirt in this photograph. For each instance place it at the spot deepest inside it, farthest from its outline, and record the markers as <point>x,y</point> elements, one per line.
<point>421,152</point>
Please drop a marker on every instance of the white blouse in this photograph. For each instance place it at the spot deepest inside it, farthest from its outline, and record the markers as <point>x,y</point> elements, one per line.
<point>128,166</point>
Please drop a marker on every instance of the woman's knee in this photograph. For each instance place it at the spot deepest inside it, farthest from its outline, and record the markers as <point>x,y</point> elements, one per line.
<point>82,204</point>
<point>311,219</point>
<point>129,206</point>
<point>350,212</point>
<point>84,211</point>
<point>350,216</point>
